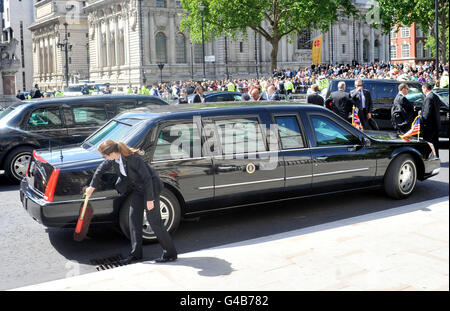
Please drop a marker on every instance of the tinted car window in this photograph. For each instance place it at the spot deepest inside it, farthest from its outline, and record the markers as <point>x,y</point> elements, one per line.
<point>329,133</point>
<point>178,141</point>
<point>47,118</point>
<point>149,104</point>
<point>89,115</point>
<point>387,90</point>
<point>289,132</point>
<point>240,135</point>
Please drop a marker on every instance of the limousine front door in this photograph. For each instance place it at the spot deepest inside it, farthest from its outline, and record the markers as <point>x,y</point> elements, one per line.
<point>340,160</point>
<point>244,171</point>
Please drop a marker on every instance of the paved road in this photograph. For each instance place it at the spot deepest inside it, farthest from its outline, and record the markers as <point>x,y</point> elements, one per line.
<point>33,254</point>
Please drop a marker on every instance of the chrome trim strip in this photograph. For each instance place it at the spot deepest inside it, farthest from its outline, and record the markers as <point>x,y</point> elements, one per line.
<point>241,184</point>
<point>298,177</point>
<point>342,172</point>
<point>176,160</point>
<point>76,200</point>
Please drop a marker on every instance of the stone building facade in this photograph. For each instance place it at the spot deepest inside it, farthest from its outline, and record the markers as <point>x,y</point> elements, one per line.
<point>123,41</point>
<point>48,36</point>
<point>17,16</point>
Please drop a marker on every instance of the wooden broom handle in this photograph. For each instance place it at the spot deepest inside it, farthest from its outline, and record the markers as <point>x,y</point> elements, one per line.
<point>83,211</point>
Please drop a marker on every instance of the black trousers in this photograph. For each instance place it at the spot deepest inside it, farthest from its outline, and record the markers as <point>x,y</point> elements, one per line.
<point>137,208</point>
<point>363,117</point>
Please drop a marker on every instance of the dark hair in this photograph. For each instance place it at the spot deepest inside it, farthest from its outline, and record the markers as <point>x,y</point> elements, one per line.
<point>427,86</point>
<point>402,86</point>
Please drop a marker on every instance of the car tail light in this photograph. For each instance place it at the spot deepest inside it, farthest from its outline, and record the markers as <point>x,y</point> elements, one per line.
<point>28,168</point>
<point>37,157</point>
<point>51,186</point>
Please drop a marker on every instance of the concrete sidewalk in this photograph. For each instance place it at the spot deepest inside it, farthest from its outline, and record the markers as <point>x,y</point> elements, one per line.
<point>405,248</point>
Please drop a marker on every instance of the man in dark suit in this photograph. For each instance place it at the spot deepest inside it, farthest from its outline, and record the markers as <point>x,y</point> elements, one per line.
<point>314,97</point>
<point>430,120</point>
<point>340,102</point>
<point>141,183</point>
<point>363,101</point>
<point>402,111</point>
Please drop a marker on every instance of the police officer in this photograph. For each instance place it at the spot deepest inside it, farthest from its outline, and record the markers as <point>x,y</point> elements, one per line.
<point>141,182</point>
<point>402,111</point>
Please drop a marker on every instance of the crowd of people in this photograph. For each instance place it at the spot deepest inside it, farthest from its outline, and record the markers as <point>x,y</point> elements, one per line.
<point>283,82</point>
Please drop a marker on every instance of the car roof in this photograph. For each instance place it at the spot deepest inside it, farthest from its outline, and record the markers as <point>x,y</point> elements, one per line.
<point>221,93</point>
<point>77,99</point>
<point>185,111</point>
<point>374,80</point>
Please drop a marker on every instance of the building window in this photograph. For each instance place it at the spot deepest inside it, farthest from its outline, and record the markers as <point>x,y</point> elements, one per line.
<point>161,49</point>
<point>178,5</point>
<point>419,49</point>
<point>304,40</point>
<point>241,47</point>
<point>419,32</point>
<point>405,32</point>
<point>405,50</point>
<point>181,48</point>
<point>394,33</point>
<point>198,53</point>
<point>160,3</point>
<point>376,51</point>
<point>343,49</point>
<point>366,46</point>
<point>393,51</point>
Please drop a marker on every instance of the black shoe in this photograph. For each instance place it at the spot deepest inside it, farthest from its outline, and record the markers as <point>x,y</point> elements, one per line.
<point>129,260</point>
<point>166,258</point>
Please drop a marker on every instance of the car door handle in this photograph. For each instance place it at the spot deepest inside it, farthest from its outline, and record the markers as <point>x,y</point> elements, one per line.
<point>226,168</point>
<point>353,148</point>
<point>76,135</point>
<point>321,158</point>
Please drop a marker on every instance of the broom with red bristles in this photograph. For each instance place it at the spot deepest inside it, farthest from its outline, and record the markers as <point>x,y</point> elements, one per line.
<point>84,220</point>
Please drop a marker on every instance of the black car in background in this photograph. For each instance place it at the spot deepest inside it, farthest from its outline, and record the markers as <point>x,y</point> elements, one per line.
<point>214,97</point>
<point>383,93</point>
<point>52,123</point>
<point>223,157</point>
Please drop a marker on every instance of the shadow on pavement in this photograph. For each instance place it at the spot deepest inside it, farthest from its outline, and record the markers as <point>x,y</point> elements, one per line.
<point>208,266</point>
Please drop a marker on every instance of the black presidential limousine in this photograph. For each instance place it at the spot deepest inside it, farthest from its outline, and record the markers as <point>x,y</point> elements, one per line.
<point>222,157</point>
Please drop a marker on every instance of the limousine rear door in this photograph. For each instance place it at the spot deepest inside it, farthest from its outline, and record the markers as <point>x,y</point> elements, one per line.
<point>244,171</point>
<point>294,153</point>
<point>341,160</point>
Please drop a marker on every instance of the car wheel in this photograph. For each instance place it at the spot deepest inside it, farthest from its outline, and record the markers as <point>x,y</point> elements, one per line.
<point>16,163</point>
<point>170,216</point>
<point>401,177</point>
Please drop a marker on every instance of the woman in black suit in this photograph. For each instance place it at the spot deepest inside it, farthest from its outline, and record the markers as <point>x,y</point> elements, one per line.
<point>142,184</point>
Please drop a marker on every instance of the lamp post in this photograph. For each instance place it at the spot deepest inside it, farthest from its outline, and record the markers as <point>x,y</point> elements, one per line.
<point>202,8</point>
<point>66,47</point>
<point>161,66</point>
<point>436,21</point>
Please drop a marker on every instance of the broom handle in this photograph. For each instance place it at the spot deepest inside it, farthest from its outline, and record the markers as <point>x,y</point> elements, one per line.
<point>86,199</point>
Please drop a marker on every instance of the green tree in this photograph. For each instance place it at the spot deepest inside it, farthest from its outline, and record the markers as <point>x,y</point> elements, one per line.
<point>395,13</point>
<point>273,19</point>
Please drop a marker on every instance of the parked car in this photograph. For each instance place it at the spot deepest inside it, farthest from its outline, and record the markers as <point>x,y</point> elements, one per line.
<point>383,93</point>
<point>219,97</point>
<point>216,158</point>
<point>51,123</point>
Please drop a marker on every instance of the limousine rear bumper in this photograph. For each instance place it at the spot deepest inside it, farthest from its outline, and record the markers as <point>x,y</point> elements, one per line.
<point>432,168</point>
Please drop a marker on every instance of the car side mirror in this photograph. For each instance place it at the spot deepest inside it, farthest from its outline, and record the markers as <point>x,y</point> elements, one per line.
<point>366,142</point>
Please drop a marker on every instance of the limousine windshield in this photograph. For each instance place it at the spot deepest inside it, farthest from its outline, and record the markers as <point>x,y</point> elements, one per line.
<point>116,130</point>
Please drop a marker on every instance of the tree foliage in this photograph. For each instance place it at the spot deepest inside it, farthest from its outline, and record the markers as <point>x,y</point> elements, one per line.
<point>273,19</point>
<point>395,13</point>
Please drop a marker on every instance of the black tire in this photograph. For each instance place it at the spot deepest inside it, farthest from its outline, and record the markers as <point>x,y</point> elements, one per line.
<point>401,177</point>
<point>16,163</point>
<point>170,214</point>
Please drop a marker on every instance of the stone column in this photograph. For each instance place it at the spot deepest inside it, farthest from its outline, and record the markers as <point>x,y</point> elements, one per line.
<point>172,35</point>
<point>361,43</point>
<point>99,45</point>
<point>108,43</point>
<point>372,45</point>
<point>151,35</point>
<point>148,40</point>
<point>117,40</point>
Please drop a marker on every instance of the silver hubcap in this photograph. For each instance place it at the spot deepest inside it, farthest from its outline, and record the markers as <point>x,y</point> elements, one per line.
<point>165,209</point>
<point>407,177</point>
<point>20,164</point>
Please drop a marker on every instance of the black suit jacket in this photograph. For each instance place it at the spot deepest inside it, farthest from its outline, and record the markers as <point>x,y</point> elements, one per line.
<point>341,103</point>
<point>315,99</point>
<point>140,177</point>
<point>430,121</point>
<point>402,113</point>
<point>357,100</point>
